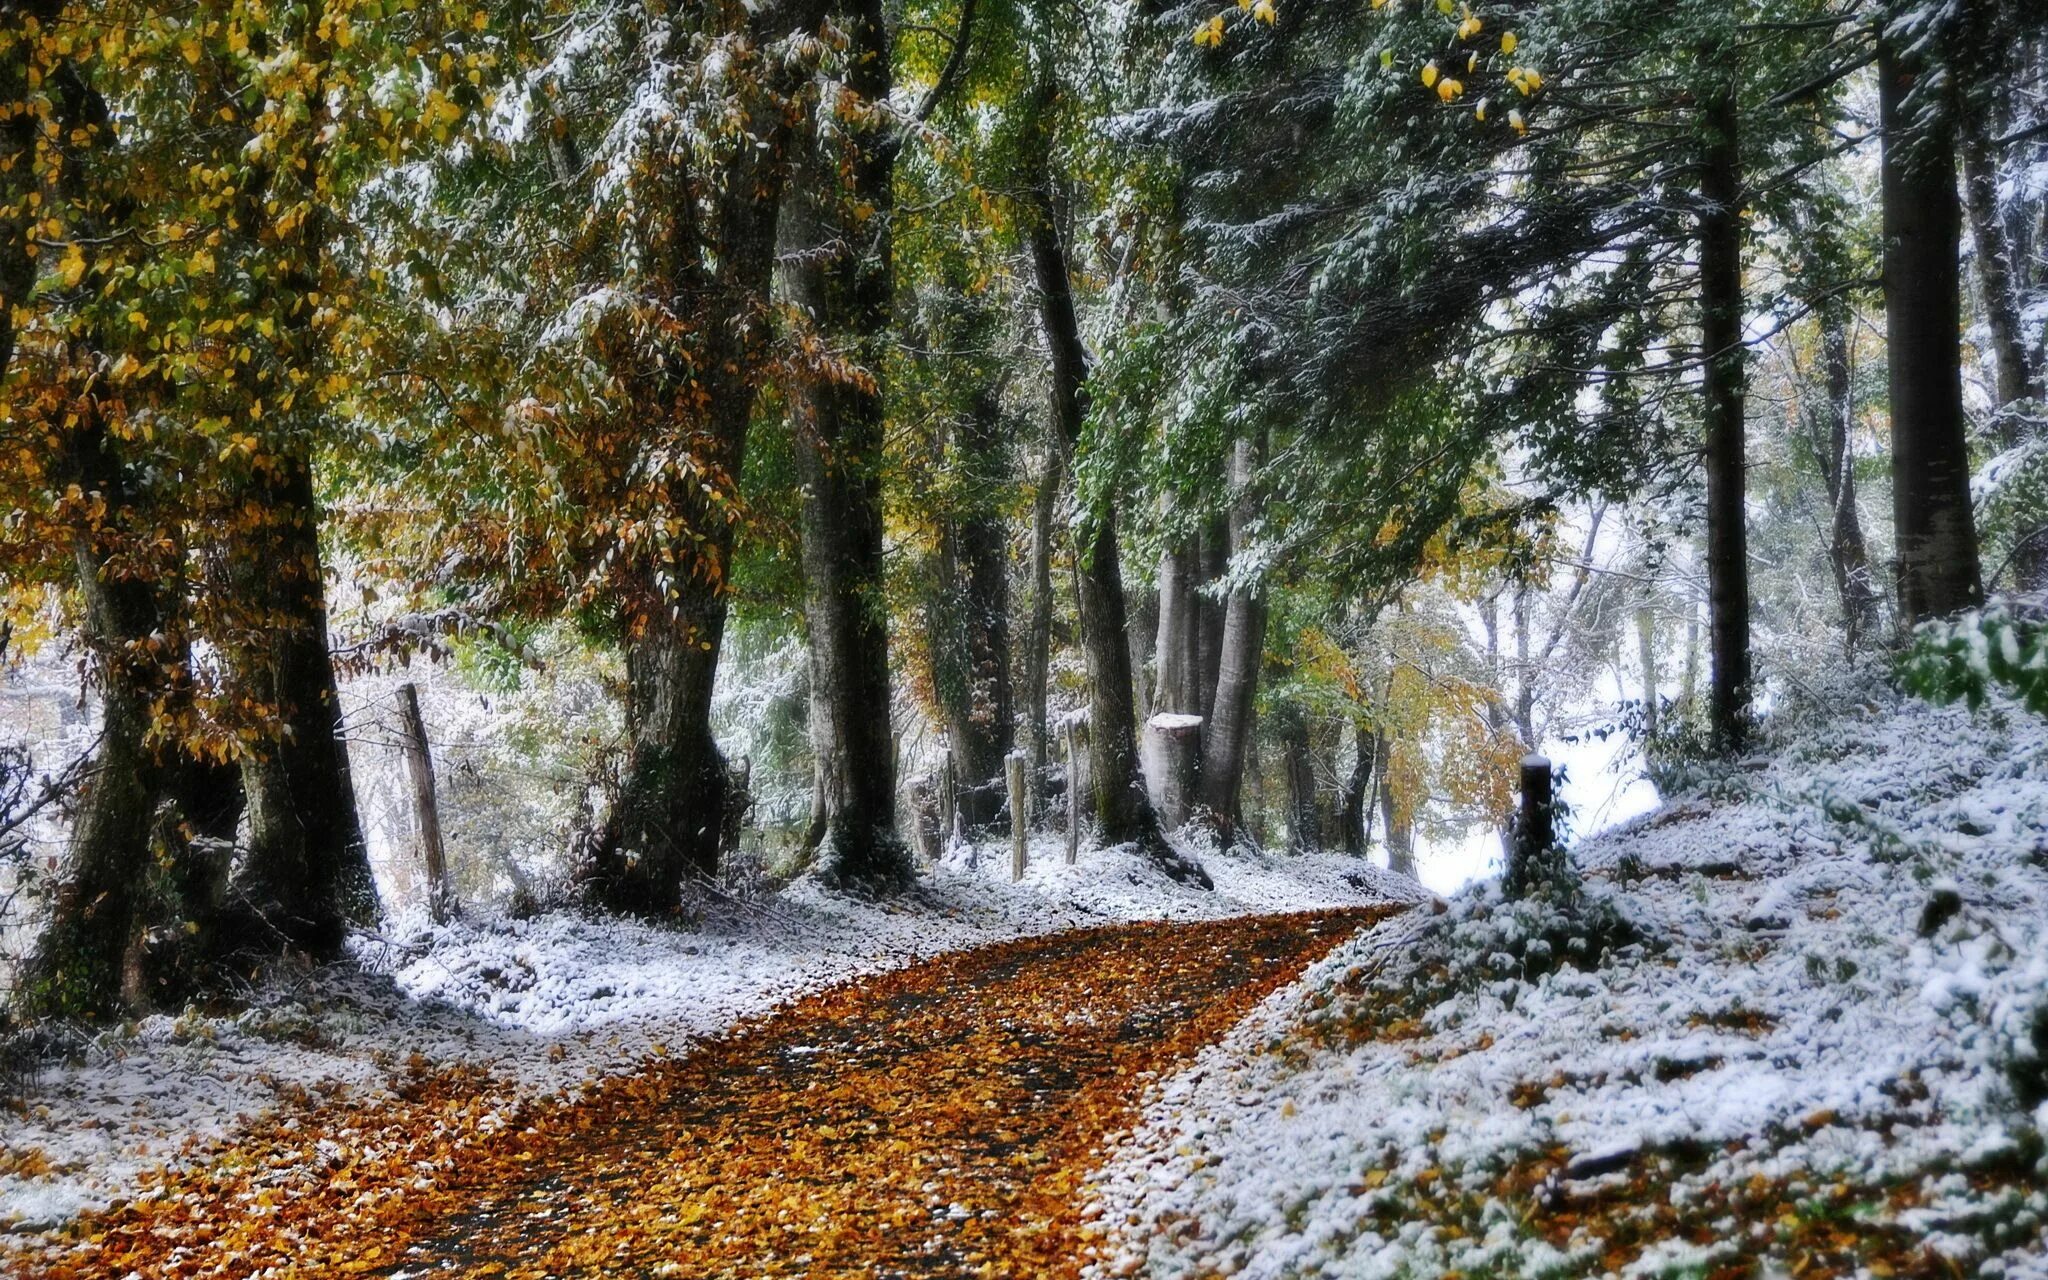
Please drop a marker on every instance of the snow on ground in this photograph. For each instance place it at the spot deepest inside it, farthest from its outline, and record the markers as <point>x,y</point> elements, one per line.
<point>1839,981</point>
<point>550,1003</point>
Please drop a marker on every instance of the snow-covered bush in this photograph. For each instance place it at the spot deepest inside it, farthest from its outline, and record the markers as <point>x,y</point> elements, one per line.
<point>2004,644</point>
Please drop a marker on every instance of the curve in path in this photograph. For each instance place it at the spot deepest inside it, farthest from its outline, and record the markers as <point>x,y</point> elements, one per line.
<point>935,1121</point>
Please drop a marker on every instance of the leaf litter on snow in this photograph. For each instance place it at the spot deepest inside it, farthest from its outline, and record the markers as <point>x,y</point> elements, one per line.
<point>1794,1025</point>
<point>519,1010</point>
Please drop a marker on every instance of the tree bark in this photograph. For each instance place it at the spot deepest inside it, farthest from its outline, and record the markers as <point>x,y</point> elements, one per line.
<point>1938,567</point>
<point>843,276</point>
<point>670,818</point>
<point>968,619</point>
<point>1646,654</point>
<point>1848,553</point>
<point>1141,610</point>
<point>1400,832</point>
<point>2013,378</point>
<point>1177,644</point>
<point>76,967</point>
<point>1358,784</point>
<point>1123,812</point>
<point>1724,355</point>
<point>1038,626</point>
<point>1304,819</point>
<point>1525,673</point>
<point>1212,560</point>
<point>1227,731</point>
<point>130,858</point>
<point>305,876</point>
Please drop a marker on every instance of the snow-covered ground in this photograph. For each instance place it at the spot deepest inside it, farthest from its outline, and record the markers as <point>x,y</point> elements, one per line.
<point>1835,1000</point>
<point>548,1004</point>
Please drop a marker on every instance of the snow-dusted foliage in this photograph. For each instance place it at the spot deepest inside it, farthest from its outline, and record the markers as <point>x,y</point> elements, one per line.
<point>1834,980</point>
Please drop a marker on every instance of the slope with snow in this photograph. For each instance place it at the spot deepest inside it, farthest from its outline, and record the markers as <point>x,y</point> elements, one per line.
<point>1824,992</point>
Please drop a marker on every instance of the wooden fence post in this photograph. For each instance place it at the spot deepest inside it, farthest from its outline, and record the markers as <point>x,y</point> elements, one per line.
<point>419,768</point>
<point>1019,818</point>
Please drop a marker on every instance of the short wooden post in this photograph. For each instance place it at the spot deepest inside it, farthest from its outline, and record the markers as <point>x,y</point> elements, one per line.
<point>1535,830</point>
<point>419,768</point>
<point>1019,817</point>
<point>1073,799</point>
<point>949,799</point>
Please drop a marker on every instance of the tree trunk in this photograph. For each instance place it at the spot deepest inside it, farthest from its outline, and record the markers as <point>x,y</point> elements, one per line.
<point>1038,627</point>
<point>1525,674</point>
<point>843,276</point>
<point>670,818</point>
<point>1141,609</point>
<point>1689,686</point>
<point>1724,355</point>
<point>2012,377</point>
<point>305,876</point>
<point>1646,654</point>
<point>76,967</point>
<point>1173,732</point>
<point>1173,742</point>
<point>1240,655</point>
<point>113,881</point>
<point>969,622</point>
<point>1212,614</point>
<point>1123,812</point>
<point>1848,554</point>
<point>1177,644</point>
<point>1304,820</point>
<point>665,825</point>
<point>1400,832</point>
<point>1936,532</point>
<point>1354,816</point>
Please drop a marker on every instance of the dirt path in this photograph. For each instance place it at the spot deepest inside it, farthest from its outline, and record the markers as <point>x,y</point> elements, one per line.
<point>932,1122</point>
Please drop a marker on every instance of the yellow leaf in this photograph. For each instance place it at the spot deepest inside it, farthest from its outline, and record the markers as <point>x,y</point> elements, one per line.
<point>1520,125</point>
<point>1429,73</point>
<point>1447,89</point>
<point>1263,12</point>
<point>1508,43</point>
<point>1469,27</point>
<point>1209,35</point>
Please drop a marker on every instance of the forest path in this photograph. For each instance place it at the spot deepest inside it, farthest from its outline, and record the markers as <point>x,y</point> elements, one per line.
<point>932,1122</point>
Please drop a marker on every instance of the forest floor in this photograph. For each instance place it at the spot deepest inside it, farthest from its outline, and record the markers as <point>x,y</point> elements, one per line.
<point>500,1015</point>
<point>936,1120</point>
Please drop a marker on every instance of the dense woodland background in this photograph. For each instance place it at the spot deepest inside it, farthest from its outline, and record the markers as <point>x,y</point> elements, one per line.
<point>752,422</point>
